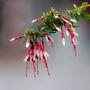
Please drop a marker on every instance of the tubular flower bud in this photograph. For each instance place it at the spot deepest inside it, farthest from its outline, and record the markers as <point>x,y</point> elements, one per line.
<point>37,20</point>
<point>15,38</point>
<point>49,39</point>
<point>63,38</point>
<point>28,42</point>
<point>67,33</point>
<point>68,19</point>
<point>57,28</point>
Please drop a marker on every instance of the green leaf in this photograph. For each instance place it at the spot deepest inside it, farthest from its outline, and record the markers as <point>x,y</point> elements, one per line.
<point>86,16</point>
<point>28,31</point>
<point>33,38</point>
<point>85,4</point>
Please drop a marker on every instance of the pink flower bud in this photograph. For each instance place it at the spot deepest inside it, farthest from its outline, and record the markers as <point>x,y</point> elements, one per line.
<point>57,28</point>
<point>74,48</point>
<point>63,39</point>
<point>26,58</point>
<point>68,19</point>
<point>12,39</point>
<point>15,38</point>
<point>49,39</point>
<point>73,20</point>
<point>37,20</point>
<point>28,42</point>
<point>67,33</point>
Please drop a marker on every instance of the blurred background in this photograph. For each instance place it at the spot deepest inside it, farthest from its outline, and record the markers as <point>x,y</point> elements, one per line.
<point>67,71</point>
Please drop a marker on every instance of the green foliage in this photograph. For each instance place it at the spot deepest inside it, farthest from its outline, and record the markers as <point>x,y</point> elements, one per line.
<point>77,12</point>
<point>86,16</point>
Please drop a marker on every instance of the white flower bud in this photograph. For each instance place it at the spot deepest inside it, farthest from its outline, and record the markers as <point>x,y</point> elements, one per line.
<point>57,28</point>
<point>73,20</point>
<point>63,41</point>
<point>27,44</point>
<point>67,33</point>
<point>35,20</point>
<point>12,39</point>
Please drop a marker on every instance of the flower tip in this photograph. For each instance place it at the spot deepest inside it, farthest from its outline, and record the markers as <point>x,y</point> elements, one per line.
<point>12,39</point>
<point>57,28</point>
<point>33,21</point>
<point>56,16</point>
<point>67,33</point>
<point>63,41</point>
<point>76,34</point>
<point>73,20</point>
<point>27,44</point>
<point>26,58</point>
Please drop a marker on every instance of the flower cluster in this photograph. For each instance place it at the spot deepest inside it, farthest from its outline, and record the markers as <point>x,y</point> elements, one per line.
<point>35,54</point>
<point>68,25</point>
<point>50,23</point>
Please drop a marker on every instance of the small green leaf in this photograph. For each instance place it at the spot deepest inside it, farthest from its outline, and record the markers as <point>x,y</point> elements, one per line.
<point>86,16</point>
<point>84,4</point>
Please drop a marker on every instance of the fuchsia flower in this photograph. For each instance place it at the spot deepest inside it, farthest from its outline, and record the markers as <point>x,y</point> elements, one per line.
<point>56,27</point>
<point>70,31</point>
<point>37,20</point>
<point>73,35</point>
<point>36,54</point>
<point>37,51</point>
<point>44,56</point>
<point>49,39</point>
<point>50,23</point>
<point>15,38</point>
<point>68,19</point>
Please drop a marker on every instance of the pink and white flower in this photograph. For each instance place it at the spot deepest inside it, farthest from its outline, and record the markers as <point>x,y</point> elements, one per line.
<point>68,19</point>
<point>37,20</point>
<point>56,27</point>
<point>49,39</point>
<point>28,42</point>
<point>44,57</point>
<point>73,35</point>
<point>35,54</point>
<point>63,38</point>
<point>15,38</point>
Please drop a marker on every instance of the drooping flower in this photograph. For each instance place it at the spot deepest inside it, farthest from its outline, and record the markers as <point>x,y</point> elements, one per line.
<point>51,22</point>
<point>49,39</point>
<point>36,54</point>
<point>27,60</point>
<point>67,33</point>
<point>56,27</point>
<point>44,57</point>
<point>73,35</point>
